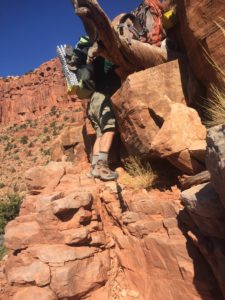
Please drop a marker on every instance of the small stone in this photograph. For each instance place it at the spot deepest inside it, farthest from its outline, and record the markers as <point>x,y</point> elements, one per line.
<point>133,294</point>
<point>124,293</point>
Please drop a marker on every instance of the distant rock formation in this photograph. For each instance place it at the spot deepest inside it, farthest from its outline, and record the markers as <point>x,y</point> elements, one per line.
<point>31,95</point>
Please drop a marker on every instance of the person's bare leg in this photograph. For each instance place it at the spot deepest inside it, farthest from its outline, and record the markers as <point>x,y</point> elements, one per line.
<point>106,140</point>
<point>96,147</point>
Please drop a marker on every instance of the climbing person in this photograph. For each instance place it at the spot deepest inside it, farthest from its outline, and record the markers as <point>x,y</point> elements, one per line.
<point>96,82</point>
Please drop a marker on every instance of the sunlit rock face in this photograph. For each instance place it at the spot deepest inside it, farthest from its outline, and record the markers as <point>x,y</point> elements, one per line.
<point>33,94</point>
<point>201,35</point>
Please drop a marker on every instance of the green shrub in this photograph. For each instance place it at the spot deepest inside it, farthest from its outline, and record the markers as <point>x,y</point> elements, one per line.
<point>65,118</point>
<point>34,159</point>
<point>24,139</point>
<point>31,145</point>
<point>45,130</point>
<point>53,111</point>
<point>3,252</point>
<point>29,153</point>
<point>4,137</point>
<point>2,185</point>
<point>9,209</point>
<point>61,126</point>
<point>16,157</point>
<point>9,146</point>
<point>23,126</point>
<point>55,131</point>
<point>13,170</point>
<point>47,139</point>
<point>53,124</point>
<point>46,151</point>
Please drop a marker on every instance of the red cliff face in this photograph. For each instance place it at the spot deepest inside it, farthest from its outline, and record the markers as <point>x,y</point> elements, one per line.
<point>201,35</point>
<point>33,94</point>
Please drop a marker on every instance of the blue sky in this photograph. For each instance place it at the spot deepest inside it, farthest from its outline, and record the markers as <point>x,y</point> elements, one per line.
<point>30,30</point>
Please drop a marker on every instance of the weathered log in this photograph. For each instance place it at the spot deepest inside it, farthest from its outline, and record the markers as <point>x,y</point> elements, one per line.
<point>188,181</point>
<point>129,55</point>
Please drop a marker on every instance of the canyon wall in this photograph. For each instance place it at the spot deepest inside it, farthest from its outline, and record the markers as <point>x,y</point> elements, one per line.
<point>32,95</point>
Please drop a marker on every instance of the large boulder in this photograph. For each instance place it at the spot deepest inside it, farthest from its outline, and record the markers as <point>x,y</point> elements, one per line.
<point>201,34</point>
<point>182,139</point>
<point>154,120</point>
<point>206,210</point>
<point>143,102</point>
<point>38,178</point>
<point>33,293</point>
<point>69,145</point>
<point>215,158</point>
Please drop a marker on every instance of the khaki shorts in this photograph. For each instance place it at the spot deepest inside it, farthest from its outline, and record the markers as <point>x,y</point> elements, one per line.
<point>101,114</point>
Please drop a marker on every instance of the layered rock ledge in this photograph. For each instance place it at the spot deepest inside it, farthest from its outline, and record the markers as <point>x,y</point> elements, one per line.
<point>79,238</point>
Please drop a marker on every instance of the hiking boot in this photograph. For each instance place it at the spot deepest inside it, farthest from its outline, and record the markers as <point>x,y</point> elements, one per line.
<point>101,170</point>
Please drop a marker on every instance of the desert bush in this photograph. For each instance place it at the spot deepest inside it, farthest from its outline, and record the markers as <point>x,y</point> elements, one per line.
<point>65,118</point>
<point>24,139</point>
<point>16,157</point>
<point>53,111</point>
<point>31,145</point>
<point>61,126</point>
<point>12,169</point>
<point>53,124</point>
<point>23,126</point>
<point>45,130</point>
<point>137,175</point>
<point>29,153</point>
<point>3,252</point>
<point>55,131</point>
<point>214,108</point>
<point>2,185</point>
<point>47,139</point>
<point>46,151</point>
<point>34,160</point>
<point>9,146</point>
<point>4,138</point>
<point>9,209</point>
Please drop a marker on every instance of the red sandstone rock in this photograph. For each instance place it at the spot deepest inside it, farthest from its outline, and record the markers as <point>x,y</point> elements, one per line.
<point>34,94</point>
<point>154,120</point>
<point>138,253</point>
<point>81,277</point>
<point>72,203</point>
<point>69,145</point>
<point>33,293</point>
<point>143,102</point>
<point>37,273</point>
<point>19,234</point>
<point>59,254</point>
<point>182,139</point>
<point>38,178</point>
<point>200,34</point>
<point>76,236</point>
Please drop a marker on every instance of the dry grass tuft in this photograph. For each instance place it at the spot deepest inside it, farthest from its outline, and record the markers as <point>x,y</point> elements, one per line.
<point>215,106</point>
<point>137,176</point>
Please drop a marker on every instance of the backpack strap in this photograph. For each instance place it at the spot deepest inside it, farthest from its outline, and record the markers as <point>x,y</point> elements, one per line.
<point>157,33</point>
<point>122,24</point>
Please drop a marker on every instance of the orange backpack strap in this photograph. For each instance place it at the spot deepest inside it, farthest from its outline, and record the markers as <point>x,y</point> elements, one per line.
<point>157,33</point>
